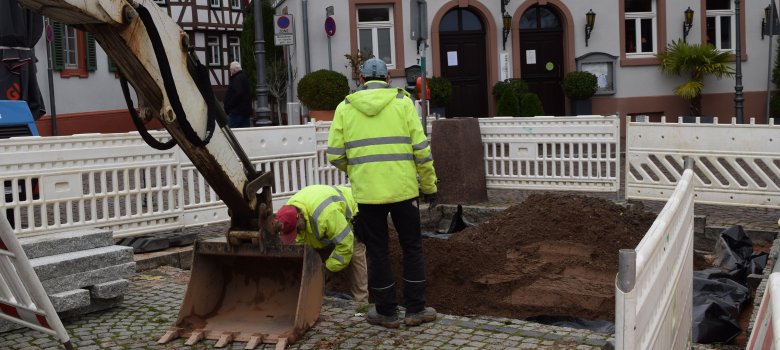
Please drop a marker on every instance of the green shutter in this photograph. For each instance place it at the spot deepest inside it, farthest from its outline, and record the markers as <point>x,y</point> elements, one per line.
<point>91,53</point>
<point>57,56</point>
<point>111,66</point>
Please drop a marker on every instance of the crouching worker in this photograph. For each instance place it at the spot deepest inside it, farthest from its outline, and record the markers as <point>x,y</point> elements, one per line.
<point>321,216</point>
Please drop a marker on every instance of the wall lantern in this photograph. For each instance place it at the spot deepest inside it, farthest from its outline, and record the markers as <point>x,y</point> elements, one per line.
<point>687,23</point>
<point>590,20</point>
<point>507,20</point>
<point>765,21</point>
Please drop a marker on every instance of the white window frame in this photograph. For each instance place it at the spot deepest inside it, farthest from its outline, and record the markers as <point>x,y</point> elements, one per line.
<point>234,48</point>
<point>213,51</point>
<point>235,4</point>
<point>70,47</point>
<point>374,26</point>
<point>717,14</point>
<point>215,3</point>
<point>637,17</point>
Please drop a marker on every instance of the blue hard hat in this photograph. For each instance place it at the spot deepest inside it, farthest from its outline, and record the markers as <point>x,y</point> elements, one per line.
<point>374,67</point>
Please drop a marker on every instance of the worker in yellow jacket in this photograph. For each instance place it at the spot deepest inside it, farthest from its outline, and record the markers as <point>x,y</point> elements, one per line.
<point>376,137</point>
<point>321,216</point>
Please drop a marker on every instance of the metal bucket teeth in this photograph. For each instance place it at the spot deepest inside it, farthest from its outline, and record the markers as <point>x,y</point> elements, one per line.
<point>238,293</point>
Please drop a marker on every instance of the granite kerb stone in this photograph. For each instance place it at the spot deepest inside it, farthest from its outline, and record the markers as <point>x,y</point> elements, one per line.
<point>70,300</point>
<point>50,267</point>
<point>111,289</point>
<point>65,242</point>
<point>88,278</point>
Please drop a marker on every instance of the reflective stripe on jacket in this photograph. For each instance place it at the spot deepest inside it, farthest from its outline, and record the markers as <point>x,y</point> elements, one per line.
<point>376,137</point>
<point>328,211</point>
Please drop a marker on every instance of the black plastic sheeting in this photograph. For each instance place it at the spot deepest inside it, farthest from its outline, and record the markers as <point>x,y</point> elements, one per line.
<point>20,29</point>
<point>720,292</point>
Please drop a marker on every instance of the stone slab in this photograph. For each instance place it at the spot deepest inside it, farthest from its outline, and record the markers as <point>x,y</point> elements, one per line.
<point>94,306</point>
<point>65,242</point>
<point>456,145</point>
<point>51,267</point>
<point>109,290</point>
<point>88,278</point>
<point>69,300</point>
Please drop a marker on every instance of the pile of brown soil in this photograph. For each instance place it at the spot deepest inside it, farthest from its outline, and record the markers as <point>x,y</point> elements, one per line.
<point>550,255</point>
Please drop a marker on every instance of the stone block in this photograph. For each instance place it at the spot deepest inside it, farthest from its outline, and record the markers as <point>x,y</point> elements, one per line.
<point>65,242</point>
<point>51,267</point>
<point>95,305</point>
<point>456,145</point>
<point>109,290</point>
<point>70,300</point>
<point>88,278</point>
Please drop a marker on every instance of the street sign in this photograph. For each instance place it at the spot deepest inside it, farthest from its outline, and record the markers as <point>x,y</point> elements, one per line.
<point>284,39</point>
<point>330,26</point>
<point>283,24</point>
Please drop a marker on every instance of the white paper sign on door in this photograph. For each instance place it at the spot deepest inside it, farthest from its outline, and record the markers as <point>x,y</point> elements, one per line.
<point>530,56</point>
<point>452,58</point>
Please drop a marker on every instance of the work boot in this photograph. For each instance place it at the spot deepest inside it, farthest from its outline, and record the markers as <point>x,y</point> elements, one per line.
<point>378,319</point>
<point>417,318</point>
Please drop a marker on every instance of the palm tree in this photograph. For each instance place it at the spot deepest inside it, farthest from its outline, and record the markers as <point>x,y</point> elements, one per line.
<point>697,60</point>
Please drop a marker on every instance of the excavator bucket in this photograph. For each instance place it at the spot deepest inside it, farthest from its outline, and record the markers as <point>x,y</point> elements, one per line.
<point>248,294</point>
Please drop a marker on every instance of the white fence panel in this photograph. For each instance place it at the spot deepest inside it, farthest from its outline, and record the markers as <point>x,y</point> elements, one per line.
<point>112,181</point>
<point>288,151</point>
<point>766,330</point>
<point>736,164</point>
<point>552,153</point>
<point>654,286</point>
<point>327,174</point>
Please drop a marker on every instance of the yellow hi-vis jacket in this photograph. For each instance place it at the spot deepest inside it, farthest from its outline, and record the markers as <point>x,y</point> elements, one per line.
<point>376,137</point>
<point>328,211</point>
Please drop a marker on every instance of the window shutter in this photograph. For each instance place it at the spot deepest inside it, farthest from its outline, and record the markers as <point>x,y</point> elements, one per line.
<point>111,66</point>
<point>91,54</point>
<point>56,46</point>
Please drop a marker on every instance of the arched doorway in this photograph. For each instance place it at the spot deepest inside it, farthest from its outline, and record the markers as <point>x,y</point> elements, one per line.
<point>462,58</point>
<point>541,59</point>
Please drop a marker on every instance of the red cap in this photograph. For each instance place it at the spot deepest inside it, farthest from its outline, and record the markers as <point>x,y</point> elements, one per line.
<point>288,217</point>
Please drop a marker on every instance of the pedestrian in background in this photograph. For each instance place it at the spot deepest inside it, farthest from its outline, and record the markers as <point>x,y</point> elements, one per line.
<point>321,216</point>
<point>238,99</point>
<point>376,137</point>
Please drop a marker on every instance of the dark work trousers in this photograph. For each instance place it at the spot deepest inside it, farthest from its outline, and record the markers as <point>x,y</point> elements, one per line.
<point>381,283</point>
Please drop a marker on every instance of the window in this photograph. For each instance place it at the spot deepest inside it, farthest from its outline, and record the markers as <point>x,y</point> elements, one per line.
<point>235,4</point>
<point>215,3</point>
<point>161,2</point>
<point>640,28</point>
<point>234,49</point>
<point>212,51</point>
<point>375,32</point>
<point>73,51</point>
<point>720,24</point>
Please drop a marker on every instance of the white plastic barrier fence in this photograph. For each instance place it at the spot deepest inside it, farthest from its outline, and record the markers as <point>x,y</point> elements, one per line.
<point>287,151</point>
<point>112,181</point>
<point>327,174</point>
<point>22,297</point>
<point>766,330</point>
<point>654,285</point>
<point>736,164</point>
<point>552,153</point>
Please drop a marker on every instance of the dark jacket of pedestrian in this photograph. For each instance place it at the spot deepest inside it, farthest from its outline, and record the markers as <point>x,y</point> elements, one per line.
<point>238,99</point>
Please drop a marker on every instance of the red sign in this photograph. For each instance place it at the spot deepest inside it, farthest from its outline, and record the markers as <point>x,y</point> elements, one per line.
<point>330,26</point>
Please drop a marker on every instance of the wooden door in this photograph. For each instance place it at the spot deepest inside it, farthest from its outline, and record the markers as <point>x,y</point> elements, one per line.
<point>463,62</point>
<point>541,57</point>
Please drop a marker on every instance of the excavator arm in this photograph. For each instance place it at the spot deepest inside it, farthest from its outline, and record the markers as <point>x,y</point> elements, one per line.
<point>246,286</point>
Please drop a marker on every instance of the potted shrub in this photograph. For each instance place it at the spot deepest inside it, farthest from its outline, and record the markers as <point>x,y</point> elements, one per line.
<point>321,91</point>
<point>441,92</point>
<point>508,104</point>
<point>579,87</point>
<point>695,60</point>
